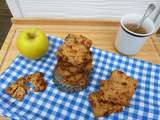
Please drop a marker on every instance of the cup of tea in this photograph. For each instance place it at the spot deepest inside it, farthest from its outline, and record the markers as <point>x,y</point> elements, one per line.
<point>130,39</point>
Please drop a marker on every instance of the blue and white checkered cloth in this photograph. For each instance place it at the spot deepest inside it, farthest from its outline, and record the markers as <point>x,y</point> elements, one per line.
<point>53,104</point>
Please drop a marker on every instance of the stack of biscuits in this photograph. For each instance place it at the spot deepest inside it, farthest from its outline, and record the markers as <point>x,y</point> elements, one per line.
<point>113,94</point>
<point>74,63</point>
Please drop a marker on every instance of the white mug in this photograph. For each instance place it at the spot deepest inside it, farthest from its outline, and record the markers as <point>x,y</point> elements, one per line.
<point>128,42</point>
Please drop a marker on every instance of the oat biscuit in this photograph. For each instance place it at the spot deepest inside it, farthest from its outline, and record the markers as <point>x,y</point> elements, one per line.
<point>67,70</point>
<point>73,56</point>
<point>61,71</point>
<point>119,89</point>
<point>16,91</point>
<point>113,94</point>
<point>80,39</point>
<point>79,79</point>
<point>38,81</point>
<point>22,81</point>
<point>100,107</point>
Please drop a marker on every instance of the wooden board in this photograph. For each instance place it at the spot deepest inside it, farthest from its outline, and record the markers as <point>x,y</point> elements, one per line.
<point>101,32</point>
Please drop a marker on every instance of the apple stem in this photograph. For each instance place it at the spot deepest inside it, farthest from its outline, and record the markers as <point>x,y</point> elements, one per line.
<point>31,35</point>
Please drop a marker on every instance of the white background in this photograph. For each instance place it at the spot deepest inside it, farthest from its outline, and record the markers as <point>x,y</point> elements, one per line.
<point>99,9</point>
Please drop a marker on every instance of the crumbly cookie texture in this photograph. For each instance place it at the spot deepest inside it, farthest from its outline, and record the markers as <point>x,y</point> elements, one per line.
<point>74,62</point>
<point>22,81</point>
<point>113,94</point>
<point>18,89</point>
<point>100,107</point>
<point>38,81</point>
<point>75,54</point>
<point>75,50</point>
<point>78,39</point>
<point>77,79</point>
<point>119,89</point>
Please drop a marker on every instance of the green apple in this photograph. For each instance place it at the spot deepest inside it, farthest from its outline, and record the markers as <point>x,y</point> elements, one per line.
<point>32,43</point>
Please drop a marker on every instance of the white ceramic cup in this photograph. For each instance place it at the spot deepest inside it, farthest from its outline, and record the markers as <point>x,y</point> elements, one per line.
<point>128,42</point>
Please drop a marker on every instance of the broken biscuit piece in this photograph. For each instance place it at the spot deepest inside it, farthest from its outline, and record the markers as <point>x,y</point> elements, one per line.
<point>119,89</point>
<point>22,81</point>
<point>100,107</point>
<point>16,91</point>
<point>38,81</point>
<point>113,94</point>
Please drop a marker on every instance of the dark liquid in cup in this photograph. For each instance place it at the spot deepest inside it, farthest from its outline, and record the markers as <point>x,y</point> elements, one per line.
<point>133,28</point>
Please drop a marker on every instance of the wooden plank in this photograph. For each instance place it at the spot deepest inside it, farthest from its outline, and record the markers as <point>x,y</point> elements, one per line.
<point>26,21</point>
<point>6,45</point>
<point>156,44</point>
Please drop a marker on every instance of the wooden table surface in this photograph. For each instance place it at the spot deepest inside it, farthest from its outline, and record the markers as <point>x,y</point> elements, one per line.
<point>101,32</point>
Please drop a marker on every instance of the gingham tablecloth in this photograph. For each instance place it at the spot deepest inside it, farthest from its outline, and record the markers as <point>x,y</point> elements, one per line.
<point>54,104</point>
